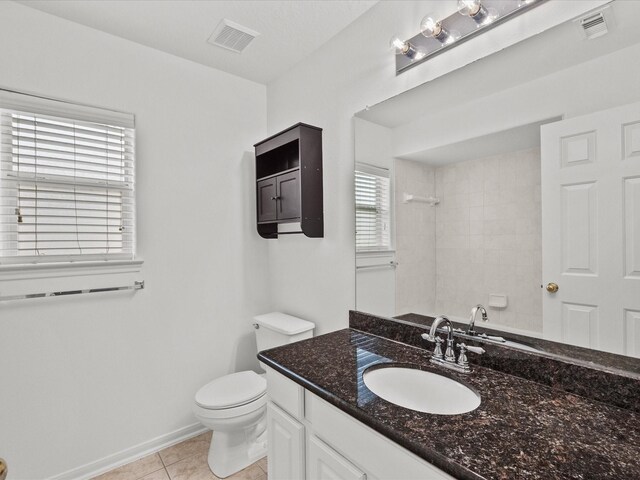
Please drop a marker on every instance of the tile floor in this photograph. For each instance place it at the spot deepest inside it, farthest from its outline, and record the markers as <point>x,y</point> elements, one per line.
<point>184,461</point>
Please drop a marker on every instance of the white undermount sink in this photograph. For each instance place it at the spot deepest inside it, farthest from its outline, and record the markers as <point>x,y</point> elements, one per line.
<point>421,391</point>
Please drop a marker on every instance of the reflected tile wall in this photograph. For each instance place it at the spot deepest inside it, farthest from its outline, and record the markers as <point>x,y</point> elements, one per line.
<point>488,237</point>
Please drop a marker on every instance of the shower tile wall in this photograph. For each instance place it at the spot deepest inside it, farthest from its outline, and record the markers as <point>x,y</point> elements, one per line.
<point>488,237</point>
<point>415,238</point>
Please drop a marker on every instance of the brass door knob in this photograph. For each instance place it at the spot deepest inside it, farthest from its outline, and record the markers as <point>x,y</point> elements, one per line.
<point>552,287</point>
<point>3,469</point>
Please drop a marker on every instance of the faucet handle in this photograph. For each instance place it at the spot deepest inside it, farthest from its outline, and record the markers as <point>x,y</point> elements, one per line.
<point>462,358</point>
<point>437,351</point>
<point>478,350</point>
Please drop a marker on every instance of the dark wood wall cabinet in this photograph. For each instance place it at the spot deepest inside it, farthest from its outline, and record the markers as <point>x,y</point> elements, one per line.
<point>289,181</point>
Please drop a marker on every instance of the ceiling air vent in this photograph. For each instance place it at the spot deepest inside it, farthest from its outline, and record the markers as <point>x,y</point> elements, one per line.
<point>232,36</point>
<point>594,26</point>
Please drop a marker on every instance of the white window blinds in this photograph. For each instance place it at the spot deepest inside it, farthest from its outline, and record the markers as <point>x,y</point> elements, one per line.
<point>66,183</point>
<point>373,229</point>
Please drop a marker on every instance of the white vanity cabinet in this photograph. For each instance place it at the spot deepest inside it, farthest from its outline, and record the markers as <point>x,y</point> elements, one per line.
<point>324,463</point>
<point>310,439</point>
<point>285,437</point>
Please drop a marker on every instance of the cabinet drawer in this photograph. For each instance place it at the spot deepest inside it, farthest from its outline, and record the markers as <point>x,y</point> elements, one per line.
<point>324,463</point>
<point>287,394</point>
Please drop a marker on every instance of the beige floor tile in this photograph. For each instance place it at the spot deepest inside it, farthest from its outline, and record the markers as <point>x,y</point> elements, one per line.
<point>262,463</point>
<point>253,472</point>
<point>134,470</point>
<point>159,475</point>
<point>191,468</point>
<point>188,448</point>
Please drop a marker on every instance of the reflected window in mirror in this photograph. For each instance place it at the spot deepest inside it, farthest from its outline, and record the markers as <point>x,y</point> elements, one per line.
<point>373,208</point>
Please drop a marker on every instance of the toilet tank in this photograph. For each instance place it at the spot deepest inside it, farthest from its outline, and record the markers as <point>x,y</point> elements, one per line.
<point>276,328</point>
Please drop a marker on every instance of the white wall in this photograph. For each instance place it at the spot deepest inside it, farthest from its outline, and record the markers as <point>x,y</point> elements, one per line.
<point>84,377</point>
<point>415,239</point>
<point>314,278</point>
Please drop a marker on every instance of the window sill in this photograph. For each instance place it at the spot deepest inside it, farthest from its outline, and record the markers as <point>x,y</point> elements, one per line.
<point>375,253</point>
<point>68,269</point>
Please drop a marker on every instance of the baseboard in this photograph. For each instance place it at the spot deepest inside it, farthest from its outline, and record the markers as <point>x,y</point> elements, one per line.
<point>129,455</point>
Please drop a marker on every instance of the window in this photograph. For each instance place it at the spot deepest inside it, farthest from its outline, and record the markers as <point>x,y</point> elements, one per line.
<point>373,230</point>
<point>66,182</point>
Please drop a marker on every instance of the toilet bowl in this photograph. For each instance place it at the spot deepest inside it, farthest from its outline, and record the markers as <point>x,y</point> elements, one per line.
<point>234,406</point>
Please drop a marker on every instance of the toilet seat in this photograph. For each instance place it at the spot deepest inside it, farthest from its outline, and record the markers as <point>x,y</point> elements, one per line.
<point>232,412</point>
<point>232,391</point>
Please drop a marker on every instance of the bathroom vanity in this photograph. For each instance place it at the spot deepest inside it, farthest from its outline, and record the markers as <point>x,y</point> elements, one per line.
<point>313,439</point>
<point>325,423</point>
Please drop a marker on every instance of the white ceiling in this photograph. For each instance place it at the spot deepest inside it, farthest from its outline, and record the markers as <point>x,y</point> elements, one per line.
<point>511,140</point>
<point>289,30</point>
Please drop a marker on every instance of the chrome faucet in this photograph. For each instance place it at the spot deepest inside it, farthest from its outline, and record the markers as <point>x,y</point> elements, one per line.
<point>448,355</point>
<point>472,320</point>
<point>448,360</point>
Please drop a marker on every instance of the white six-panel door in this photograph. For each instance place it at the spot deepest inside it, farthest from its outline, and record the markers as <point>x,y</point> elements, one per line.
<point>591,230</point>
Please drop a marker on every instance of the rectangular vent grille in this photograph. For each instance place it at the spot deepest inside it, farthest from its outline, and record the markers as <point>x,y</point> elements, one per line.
<point>594,26</point>
<point>232,36</point>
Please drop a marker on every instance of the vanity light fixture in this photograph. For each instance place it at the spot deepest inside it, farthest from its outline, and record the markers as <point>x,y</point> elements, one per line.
<point>471,18</point>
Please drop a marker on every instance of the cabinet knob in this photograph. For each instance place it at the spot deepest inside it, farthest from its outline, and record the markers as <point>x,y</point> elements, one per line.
<point>275,198</point>
<point>552,287</point>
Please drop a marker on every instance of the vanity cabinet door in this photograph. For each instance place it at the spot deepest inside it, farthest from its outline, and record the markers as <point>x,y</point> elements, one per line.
<point>324,463</point>
<point>288,187</point>
<point>286,449</point>
<point>267,200</point>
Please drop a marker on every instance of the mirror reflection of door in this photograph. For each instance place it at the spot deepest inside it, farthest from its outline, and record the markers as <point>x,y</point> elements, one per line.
<point>591,230</point>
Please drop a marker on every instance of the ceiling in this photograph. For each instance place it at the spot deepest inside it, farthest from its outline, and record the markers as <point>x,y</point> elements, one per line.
<point>289,30</point>
<point>511,140</point>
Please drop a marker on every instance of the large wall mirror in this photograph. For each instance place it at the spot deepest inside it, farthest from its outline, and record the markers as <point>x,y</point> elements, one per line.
<point>505,179</point>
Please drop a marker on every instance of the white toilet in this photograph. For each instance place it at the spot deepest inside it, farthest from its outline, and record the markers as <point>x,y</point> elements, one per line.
<point>235,406</point>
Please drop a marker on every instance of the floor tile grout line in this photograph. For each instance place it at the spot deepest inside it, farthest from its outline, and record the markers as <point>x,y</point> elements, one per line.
<point>179,460</point>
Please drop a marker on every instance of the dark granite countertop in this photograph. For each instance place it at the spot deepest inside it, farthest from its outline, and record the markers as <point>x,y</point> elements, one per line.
<point>521,430</point>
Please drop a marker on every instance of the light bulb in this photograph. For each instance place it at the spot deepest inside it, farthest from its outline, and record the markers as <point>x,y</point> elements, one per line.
<point>429,27</point>
<point>475,10</point>
<point>405,48</point>
<point>434,29</point>
<point>395,42</point>
<point>469,8</point>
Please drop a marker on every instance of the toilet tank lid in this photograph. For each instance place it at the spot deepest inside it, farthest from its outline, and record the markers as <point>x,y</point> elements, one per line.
<point>283,323</point>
